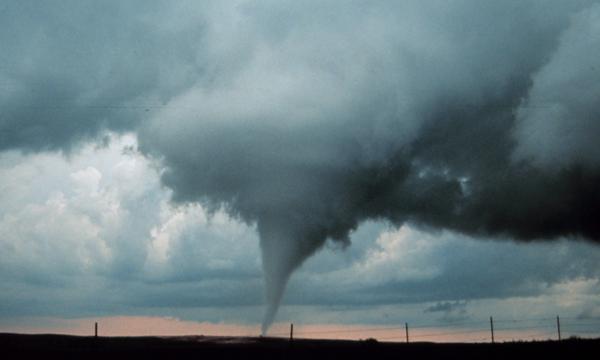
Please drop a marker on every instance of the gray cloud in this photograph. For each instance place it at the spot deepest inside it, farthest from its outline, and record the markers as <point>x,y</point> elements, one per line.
<point>308,119</point>
<point>72,69</point>
<point>446,306</point>
<point>401,112</point>
<point>450,311</point>
<point>558,122</point>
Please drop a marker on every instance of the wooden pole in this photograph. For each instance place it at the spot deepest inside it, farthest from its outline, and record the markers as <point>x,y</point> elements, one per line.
<point>291,332</point>
<point>492,328</point>
<point>95,329</point>
<point>406,329</point>
<point>558,326</point>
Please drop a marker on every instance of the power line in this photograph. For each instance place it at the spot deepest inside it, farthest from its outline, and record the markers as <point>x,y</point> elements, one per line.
<point>523,320</point>
<point>581,319</point>
<point>450,333</point>
<point>584,332</point>
<point>363,329</point>
<point>524,327</point>
<point>430,325</point>
<point>581,324</point>
<point>535,324</point>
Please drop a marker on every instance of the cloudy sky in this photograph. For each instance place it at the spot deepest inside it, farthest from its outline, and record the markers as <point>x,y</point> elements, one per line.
<point>189,167</point>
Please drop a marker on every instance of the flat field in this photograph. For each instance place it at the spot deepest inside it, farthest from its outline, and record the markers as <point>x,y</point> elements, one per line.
<point>18,346</point>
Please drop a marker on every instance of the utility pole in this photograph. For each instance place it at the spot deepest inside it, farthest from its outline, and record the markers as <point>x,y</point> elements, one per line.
<point>95,329</point>
<point>492,328</point>
<point>291,332</point>
<point>558,326</point>
<point>406,328</point>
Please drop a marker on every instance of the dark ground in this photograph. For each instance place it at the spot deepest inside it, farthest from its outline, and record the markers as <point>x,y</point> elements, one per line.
<point>15,346</point>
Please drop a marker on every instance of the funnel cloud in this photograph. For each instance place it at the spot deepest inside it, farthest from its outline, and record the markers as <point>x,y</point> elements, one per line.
<point>307,119</point>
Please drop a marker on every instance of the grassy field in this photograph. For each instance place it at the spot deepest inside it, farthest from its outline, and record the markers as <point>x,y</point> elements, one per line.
<point>15,346</point>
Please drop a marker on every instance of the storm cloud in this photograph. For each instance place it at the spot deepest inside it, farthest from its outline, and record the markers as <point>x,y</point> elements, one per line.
<point>309,118</point>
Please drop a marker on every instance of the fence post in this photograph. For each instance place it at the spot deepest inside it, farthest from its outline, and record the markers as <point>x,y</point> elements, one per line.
<point>291,332</point>
<point>492,328</point>
<point>558,326</point>
<point>406,329</point>
<point>95,329</point>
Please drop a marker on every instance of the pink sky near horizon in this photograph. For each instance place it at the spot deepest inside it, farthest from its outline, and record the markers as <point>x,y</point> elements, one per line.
<point>169,326</point>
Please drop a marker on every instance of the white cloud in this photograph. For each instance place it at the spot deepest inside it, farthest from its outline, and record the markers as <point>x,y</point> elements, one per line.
<point>102,209</point>
<point>190,243</point>
<point>401,254</point>
<point>99,221</point>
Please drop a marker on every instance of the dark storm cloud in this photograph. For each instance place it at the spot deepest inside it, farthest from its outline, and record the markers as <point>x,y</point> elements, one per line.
<point>309,118</point>
<point>447,307</point>
<point>72,69</point>
<point>403,112</point>
<point>450,311</point>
